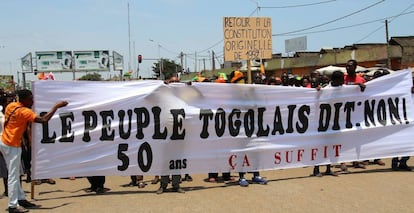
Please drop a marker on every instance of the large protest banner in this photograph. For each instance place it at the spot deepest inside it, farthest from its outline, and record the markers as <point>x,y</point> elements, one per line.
<point>150,128</point>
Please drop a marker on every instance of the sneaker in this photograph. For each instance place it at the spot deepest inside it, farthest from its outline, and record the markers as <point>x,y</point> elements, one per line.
<point>160,190</point>
<point>358,165</point>
<point>243,182</point>
<point>331,173</point>
<point>259,180</point>
<point>155,180</point>
<point>100,190</point>
<point>344,168</point>
<point>179,190</point>
<point>27,204</point>
<point>188,178</point>
<point>379,162</point>
<point>132,183</point>
<point>17,209</point>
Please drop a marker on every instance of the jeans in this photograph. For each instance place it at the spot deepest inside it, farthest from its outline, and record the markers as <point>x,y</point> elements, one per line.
<point>12,156</point>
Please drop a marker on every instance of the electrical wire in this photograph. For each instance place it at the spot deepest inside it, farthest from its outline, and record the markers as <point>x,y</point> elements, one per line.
<point>337,19</point>
<point>382,26</point>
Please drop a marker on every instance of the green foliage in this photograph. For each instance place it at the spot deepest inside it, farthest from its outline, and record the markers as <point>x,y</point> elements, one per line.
<point>169,68</point>
<point>91,77</point>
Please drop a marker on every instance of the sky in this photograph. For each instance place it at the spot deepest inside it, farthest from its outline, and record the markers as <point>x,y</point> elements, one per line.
<point>164,28</point>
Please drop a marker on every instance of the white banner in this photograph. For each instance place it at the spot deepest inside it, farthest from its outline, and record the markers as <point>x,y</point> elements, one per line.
<point>150,128</point>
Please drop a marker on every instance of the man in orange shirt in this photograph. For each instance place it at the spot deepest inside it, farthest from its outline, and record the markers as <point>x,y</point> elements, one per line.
<point>17,115</point>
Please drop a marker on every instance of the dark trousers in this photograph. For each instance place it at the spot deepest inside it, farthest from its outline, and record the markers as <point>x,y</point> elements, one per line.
<point>226,175</point>
<point>255,174</point>
<point>96,182</point>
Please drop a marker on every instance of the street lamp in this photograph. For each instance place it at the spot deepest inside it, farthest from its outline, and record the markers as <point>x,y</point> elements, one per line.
<point>159,59</point>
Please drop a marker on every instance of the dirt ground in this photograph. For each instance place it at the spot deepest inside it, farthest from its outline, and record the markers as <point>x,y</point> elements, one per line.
<point>374,189</point>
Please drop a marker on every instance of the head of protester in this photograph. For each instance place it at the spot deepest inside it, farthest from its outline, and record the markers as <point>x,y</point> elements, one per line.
<point>237,77</point>
<point>352,78</point>
<point>337,78</point>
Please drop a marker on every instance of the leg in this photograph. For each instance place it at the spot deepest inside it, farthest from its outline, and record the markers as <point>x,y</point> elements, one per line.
<point>212,177</point>
<point>394,163</point>
<point>226,176</point>
<point>257,179</point>
<point>163,183</point>
<point>403,164</point>
<point>242,181</point>
<point>176,183</point>
<point>329,171</point>
<point>12,157</point>
<point>140,179</point>
<point>316,172</point>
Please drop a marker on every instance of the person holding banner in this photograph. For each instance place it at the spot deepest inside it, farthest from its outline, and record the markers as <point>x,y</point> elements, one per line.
<point>337,80</point>
<point>175,179</point>
<point>17,115</point>
<point>353,79</point>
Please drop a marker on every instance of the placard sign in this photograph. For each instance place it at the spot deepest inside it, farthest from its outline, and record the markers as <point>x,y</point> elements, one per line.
<point>247,38</point>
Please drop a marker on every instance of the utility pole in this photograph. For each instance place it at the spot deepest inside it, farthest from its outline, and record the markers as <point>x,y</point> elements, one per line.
<point>181,61</point>
<point>388,45</point>
<point>213,63</point>
<point>129,44</point>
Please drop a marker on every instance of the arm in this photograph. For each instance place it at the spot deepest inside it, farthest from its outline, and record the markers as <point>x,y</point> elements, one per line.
<point>46,117</point>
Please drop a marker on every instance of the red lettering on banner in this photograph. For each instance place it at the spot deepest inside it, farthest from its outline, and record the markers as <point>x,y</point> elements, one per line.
<point>300,154</point>
<point>278,159</point>
<point>246,161</point>
<point>314,151</point>
<point>337,148</point>
<point>311,154</point>
<point>231,163</point>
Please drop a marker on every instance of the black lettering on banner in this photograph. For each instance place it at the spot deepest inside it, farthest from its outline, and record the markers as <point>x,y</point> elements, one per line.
<point>349,108</point>
<point>325,112</point>
<point>143,120</point>
<point>91,122</point>
<point>157,125</point>
<point>249,123</point>
<point>261,131</point>
<point>369,113</point>
<point>303,113</point>
<point>66,121</point>
<point>234,127</point>
<point>107,133</point>
<point>46,138</point>
<point>178,131</point>
<point>290,118</point>
<point>382,113</point>
<point>145,147</point>
<point>394,113</point>
<point>336,125</point>
<point>123,157</point>
<point>220,122</point>
<point>277,122</point>
<point>122,133</point>
<point>205,115</point>
<point>178,164</point>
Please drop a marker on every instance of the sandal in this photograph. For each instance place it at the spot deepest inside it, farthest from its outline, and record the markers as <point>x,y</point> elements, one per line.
<point>141,185</point>
<point>155,180</point>
<point>51,181</point>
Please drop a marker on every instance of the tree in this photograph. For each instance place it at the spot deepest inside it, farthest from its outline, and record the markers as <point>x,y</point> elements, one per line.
<point>91,77</point>
<point>169,68</point>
